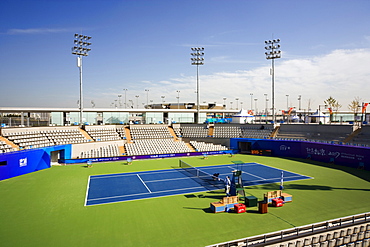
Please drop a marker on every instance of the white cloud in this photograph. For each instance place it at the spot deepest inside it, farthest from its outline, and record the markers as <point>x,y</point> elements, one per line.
<point>16,31</point>
<point>342,74</point>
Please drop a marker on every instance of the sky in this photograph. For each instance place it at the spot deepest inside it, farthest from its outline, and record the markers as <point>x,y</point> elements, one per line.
<point>144,46</point>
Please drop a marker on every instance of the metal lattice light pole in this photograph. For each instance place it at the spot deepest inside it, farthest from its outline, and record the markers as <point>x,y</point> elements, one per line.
<point>273,52</point>
<point>197,60</point>
<point>81,49</point>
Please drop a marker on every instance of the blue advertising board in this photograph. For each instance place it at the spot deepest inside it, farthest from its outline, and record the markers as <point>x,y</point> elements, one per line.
<point>22,162</point>
<point>351,156</point>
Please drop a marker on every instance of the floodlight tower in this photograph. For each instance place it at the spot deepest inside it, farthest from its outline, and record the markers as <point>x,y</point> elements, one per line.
<point>197,59</point>
<point>272,52</point>
<point>81,49</point>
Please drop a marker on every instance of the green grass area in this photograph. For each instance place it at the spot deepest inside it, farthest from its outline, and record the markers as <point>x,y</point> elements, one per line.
<point>46,208</point>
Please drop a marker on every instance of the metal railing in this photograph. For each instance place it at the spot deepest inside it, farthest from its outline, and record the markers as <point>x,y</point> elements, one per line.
<point>298,232</point>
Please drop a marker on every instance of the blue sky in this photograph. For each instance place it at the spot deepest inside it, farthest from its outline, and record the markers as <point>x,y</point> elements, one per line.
<point>138,45</point>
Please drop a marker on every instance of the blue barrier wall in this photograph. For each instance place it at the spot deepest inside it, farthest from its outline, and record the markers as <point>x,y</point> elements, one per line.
<point>350,156</point>
<point>22,162</point>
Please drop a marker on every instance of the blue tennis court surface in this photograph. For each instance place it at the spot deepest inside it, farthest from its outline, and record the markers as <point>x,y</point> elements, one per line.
<point>111,188</point>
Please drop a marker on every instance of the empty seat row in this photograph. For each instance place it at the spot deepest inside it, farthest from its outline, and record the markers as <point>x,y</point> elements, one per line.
<point>150,133</point>
<point>194,131</point>
<point>202,146</point>
<point>156,146</point>
<point>111,150</point>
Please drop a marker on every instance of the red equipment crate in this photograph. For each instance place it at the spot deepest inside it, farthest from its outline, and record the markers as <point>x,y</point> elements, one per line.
<point>239,208</point>
<point>277,202</point>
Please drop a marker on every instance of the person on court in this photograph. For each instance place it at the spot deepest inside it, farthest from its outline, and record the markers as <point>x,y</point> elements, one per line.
<point>227,185</point>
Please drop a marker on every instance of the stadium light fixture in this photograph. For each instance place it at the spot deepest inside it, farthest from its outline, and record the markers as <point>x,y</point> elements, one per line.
<point>272,52</point>
<point>81,49</point>
<point>197,59</point>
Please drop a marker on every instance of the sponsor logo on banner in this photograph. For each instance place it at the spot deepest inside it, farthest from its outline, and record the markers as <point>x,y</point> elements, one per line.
<point>22,162</point>
<point>284,147</point>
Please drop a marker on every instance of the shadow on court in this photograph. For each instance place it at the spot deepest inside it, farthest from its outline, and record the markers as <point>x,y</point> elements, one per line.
<point>307,187</point>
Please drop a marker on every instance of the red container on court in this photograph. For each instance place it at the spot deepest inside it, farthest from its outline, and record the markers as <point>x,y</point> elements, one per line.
<point>277,202</point>
<point>239,208</point>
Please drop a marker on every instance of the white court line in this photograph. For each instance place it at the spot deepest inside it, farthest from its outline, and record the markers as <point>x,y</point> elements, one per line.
<point>87,190</point>
<point>249,173</point>
<point>129,174</point>
<point>157,192</point>
<point>165,179</point>
<point>144,183</point>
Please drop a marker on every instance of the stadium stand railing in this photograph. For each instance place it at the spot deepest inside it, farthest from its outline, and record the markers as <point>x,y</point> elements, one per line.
<point>347,231</point>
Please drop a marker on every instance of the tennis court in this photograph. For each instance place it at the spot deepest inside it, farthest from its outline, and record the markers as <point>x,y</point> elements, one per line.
<point>110,188</point>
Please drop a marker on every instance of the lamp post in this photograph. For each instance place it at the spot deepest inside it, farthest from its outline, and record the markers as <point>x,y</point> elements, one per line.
<point>299,100</point>
<point>287,102</point>
<point>197,59</point>
<point>125,89</point>
<point>255,101</point>
<point>251,94</point>
<point>137,101</point>
<point>147,97</point>
<point>266,100</point>
<point>178,99</point>
<point>237,103</point>
<point>81,49</point>
<point>273,52</point>
<point>119,100</point>
<point>224,98</point>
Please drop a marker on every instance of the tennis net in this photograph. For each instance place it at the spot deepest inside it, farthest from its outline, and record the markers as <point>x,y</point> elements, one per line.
<point>205,176</point>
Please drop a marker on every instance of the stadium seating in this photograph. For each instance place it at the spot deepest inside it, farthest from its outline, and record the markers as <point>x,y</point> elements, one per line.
<point>363,137</point>
<point>104,134</point>
<point>156,146</point>
<point>149,132</point>
<point>194,131</point>
<point>5,148</point>
<point>109,150</point>
<point>318,234</point>
<point>202,146</point>
<point>242,131</point>
<point>320,133</point>
<point>29,139</point>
